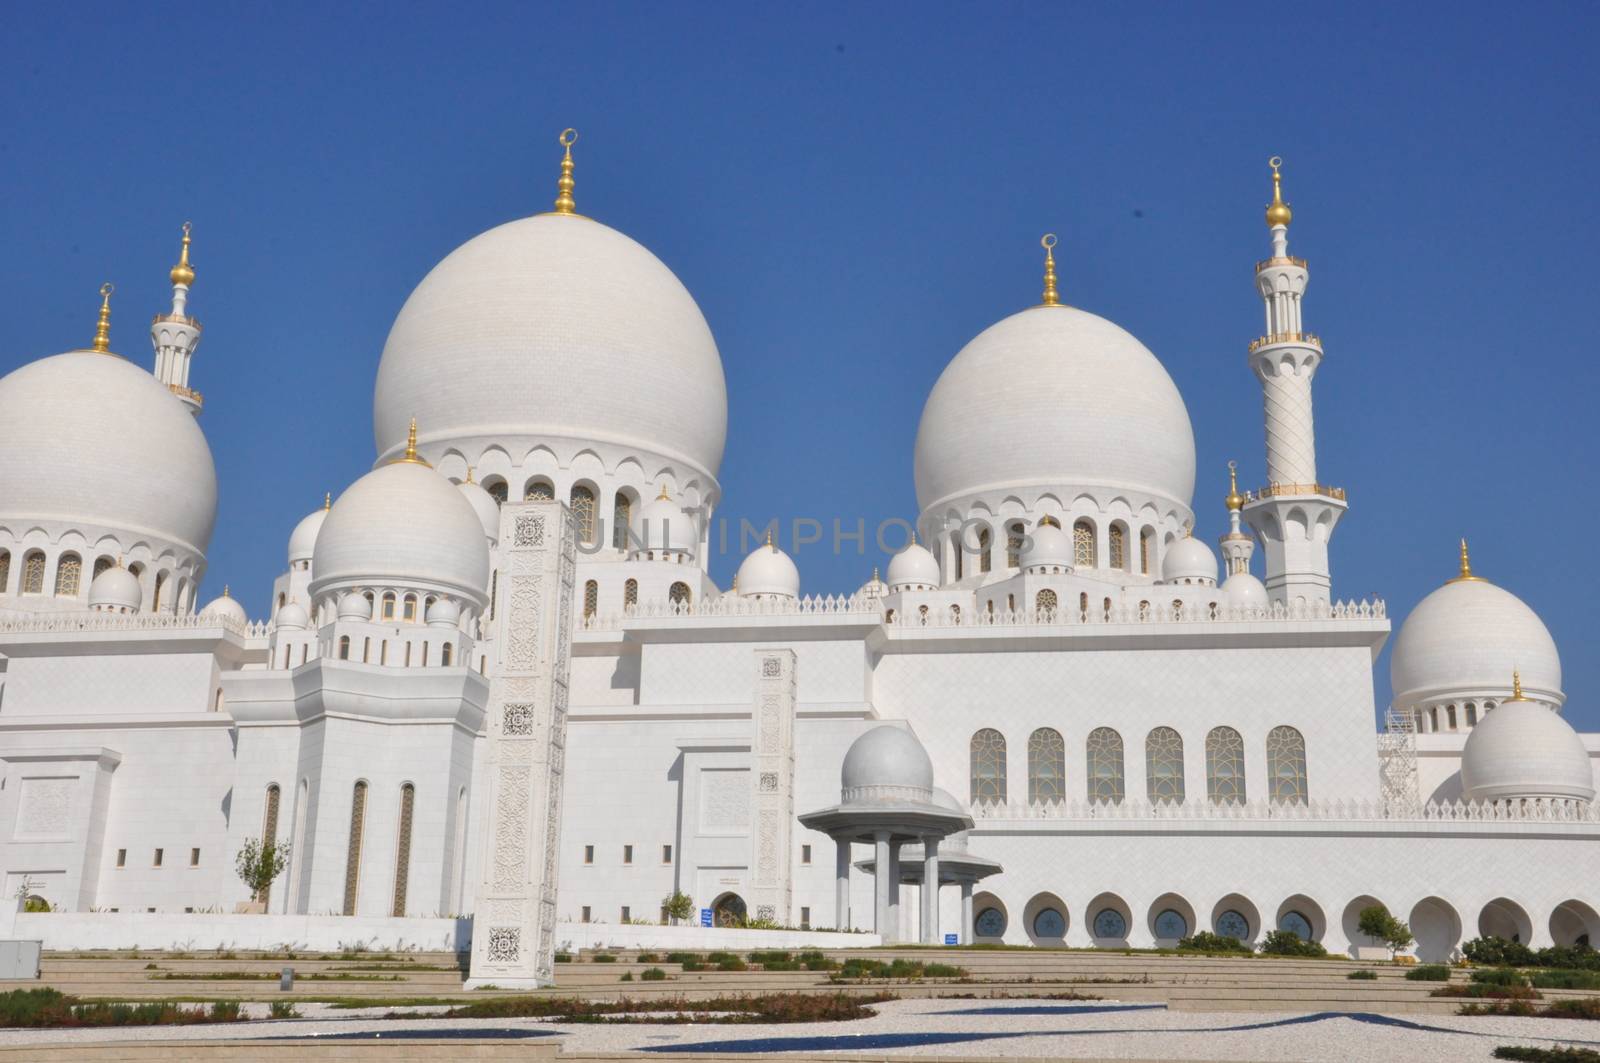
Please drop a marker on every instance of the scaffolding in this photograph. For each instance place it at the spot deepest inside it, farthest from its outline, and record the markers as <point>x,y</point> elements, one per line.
<point>1397,762</point>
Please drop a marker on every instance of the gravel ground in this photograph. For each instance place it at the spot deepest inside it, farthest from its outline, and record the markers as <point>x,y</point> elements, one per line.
<point>971,1028</point>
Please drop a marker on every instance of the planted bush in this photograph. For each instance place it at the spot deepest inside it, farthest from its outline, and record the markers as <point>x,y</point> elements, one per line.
<point>1482,990</point>
<point>682,957</point>
<point>1561,979</point>
<point>603,957</point>
<point>1573,1008</point>
<point>1500,976</point>
<point>1363,975</point>
<point>1288,943</point>
<point>1429,972</point>
<point>648,957</point>
<point>1498,952</point>
<point>1547,1055</point>
<point>652,974</point>
<point>48,1008</point>
<point>774,1008</point>
<point>282,1009</point>
<point>1206,941</point>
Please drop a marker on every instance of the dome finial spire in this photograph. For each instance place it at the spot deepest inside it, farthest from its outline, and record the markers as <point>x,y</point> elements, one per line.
<point>663,496</point>
<point>102,329</point>
<point>1048,242</point>
<point>1516,685</point>
<point>1278,212</point>
<point>564,201</point>
<point>411,456</point>
<point>1466,566</point>
<point>327,501</point>
<point>183,272</point>
<point>1234,501</point>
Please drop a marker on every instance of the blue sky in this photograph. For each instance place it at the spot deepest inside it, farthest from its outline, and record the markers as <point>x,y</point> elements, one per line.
<point>852,192</point>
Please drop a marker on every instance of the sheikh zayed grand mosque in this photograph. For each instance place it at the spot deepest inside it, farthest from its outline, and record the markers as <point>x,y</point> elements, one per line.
<point>495,677</point>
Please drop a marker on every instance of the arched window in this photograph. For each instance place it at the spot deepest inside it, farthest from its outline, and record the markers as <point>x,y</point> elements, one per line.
<point>985,540</point>
<point>69,571</point>
<point>352,860</point>
<point>424,661</point>
<point>497,490</point>
<point>630,592</point>
<point>1083,606</point>
<point>1449,710</point>
<point>1105,766</point>
<point>1472,714</point>
<point>366,650</point>
<point>1146,549</point>
<point>33,572</point>
<point>1047,767</point>
<point>1163,766</point>
<point>100,565</point>
<point>162,579</point>
<point>922,614</point>
<point>344,647</point>
<point>988,767</point>
<point>1177,608</point>
<point>955,614</point>
<point>409,613</point>
<point>402,850</point>
<point>1286,765</point>
<point>445,653</point>
<point>1014,545</point>
<point>1083,544</point>
<point>957,551</point>
<point>1045,601</point>
<point>621,518</point>
<point>678,594</point>
<point>5,570</point>
<point>269,832</point>
<point>1225,767</point>
<point>1119,546</point>
<point>591,599</point>
<point>1011,603</point>
<point>888,616</point>
<point>538,491</point>
<point>388,605</point>
<point>582,502</point>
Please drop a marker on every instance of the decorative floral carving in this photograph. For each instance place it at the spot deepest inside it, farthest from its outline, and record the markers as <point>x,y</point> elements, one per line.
<point>529,530</point>
<point>505,944</point>
<point>518,720</point>
<point>769,782</point>
<point>771,667</point>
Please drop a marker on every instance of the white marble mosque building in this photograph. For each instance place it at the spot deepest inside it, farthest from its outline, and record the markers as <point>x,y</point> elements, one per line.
<point>1084,724</point>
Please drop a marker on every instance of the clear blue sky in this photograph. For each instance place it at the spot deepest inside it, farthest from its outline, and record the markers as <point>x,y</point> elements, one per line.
<point>852,192</point>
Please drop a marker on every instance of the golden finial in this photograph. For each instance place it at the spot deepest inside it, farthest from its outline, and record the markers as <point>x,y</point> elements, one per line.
<point>102,330</point>
<point>183,273</point>
<point>564,201</point>
<point>411,456</point>
<point>469,474</point>
<point>225,590</point>
<point>663,496</point>
<point>1234,501</point>
<point>769,538</point>
<point>1466,567</point>
<point>327,500</point>
<point>1516,685</point>
<point>1048,242</point>
<point>1278,212</point>
<point>875,578</point>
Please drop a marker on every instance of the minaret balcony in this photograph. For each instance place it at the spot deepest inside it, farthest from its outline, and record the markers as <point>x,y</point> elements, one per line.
<point>1304,339</point>
<point>187,394</point>
<point>176,319</point>
<point>1278,490</point>
<point>1280,260</point>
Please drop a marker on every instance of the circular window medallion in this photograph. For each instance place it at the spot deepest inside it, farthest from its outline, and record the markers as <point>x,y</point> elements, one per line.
<point>990,923</point>
<point>1049,923</point>
<point>1231,924</point>
<point>1171,924</point>
<point>1296,924</point>
<point>1109,923</point>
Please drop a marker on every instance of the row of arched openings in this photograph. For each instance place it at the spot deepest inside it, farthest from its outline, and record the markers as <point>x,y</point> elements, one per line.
<point>69,577</point>
<point>1085,545</point>
<point>402,858</point>
<point>1104,775</point>
<point>678,594</point>
<point>583,503</point>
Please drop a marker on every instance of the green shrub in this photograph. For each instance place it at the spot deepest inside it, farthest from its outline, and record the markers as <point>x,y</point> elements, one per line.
<point>47,1008</point>
<point>603,957</point>
<point>627,976</point>
<point>647,957</point>
<point>1500,1007</point>
<point>1573,1008</point>
<point>1288,943</point>
<point>767,959</point>
<point>1573,957</point>
<point>652,974</point>
<point>1563,979</point>
<point>1498,952</point>
<point>719,957</point>
<point>283,1009</point>
<point>1429,972</point>
<point>770,1008</point>
<point>732,963</point>
<point>1492,992</point>
<point>1376,922</point>
<point>563,957</point>
<point>694,965</point>
<point>1363,975</point>
<point>1547,1055</point>
<point>682,957</point>
<point>1499,976</point>
<point>858,967</point>
<point>1206,941</point>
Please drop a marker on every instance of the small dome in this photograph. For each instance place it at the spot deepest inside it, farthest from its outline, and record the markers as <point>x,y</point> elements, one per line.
<point>1189,561</point>
<point>293,617</point>
<point>116,590</point>
<point>1465,639</point>
<point>874,588</point>
<point>444,613</point>
<point>913,568</point>
<point>402,524</point>
<point>226,607</point>
<point>484,505</point>
<point>303,540</point>
<point>886,764</point>
<point>769,572</point>
<point>664,525</point>
<point>945,799</point>
<point>1047,546</point>
<point>1524,749</point>
<point>354,606</point>
<point>1245,591</point>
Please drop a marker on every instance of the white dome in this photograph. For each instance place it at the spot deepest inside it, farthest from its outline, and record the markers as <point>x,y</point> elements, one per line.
<point>353,605</point>
<point>1465,639</point>
<point>1524,749</point>
<point>945,799</point>
<point>444,613</point>
<point>484,505</point>
<point>226,607</point>
<point>293,617</point>
<point>1245,591</point>
<point>913,567</point>
<point>402,525</point>
<point>553,327</point>
<point>1047,545</point>
<point>664,525</point>
<point>1189,560</point>
<point>769,571</point>
<point>93,441</point>
<point>303,540</point>
<point>116,590</point>
<point>874,588</point>
<point>886,763</point>
<point>1095,407</point>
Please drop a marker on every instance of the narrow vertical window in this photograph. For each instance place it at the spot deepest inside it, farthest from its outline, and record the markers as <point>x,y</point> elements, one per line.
<point>101,564</point>
<point>582,502</point>
<point>984,542</point>
<point>591,599</point>
<point>344,647</point>
<point>5,570</point>
<point>630,592</point>
<point>409,614</point>
<point>1286,765</point>
<point>69,571</point>
<point>988,754</point>
<point>678,594</point>
<point>1047,767</point>
<point>1225,767</point>
<point>538,491</point>
<point>1105,766</point>
<point>352,860</point>
<point>621,518</point>
<point>1163,766</point>
<point>1083,544</point>
<point>388,605</point>
<point>1146,538</point>
<point>161,585</point>
<point>1119,546</point>
<point>497,490</point>
<point>269,832</point>
<point>445,655</point>
<point>1013,545</point>
<point>955,541</point>
<point>1045,602</point>
<point>402,852</point>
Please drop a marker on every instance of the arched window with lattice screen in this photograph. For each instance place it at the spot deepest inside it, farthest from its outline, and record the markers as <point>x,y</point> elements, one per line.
<point>402,850</point>
<point>1105,766</point>
<point>1047,767</point>
<point>1286,765</point>
<point>988,750</point>
<point>582,502</point>
<point>1083,544</point>
<point>1225,766</point>
<point>1163,766</point>
<point>352,860</point>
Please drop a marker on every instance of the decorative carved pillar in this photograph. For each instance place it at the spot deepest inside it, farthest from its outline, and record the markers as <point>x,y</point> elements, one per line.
<point>513,932</point>
<point>773,750</point>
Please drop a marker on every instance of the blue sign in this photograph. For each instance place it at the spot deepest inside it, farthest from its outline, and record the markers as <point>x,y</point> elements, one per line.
<point>951,939</point>
<point>705,917</point>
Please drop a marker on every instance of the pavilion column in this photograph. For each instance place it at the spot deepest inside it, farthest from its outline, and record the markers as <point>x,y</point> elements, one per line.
<point>894,923</point>
<point>880,874</point>
<point>967,935</point>
<point>930,891</point>
<point>841,874</point>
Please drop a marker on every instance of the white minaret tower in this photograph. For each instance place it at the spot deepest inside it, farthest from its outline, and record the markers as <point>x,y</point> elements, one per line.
<point>1294,515</point>
<point>176,335</point>
<point>1237,544</point>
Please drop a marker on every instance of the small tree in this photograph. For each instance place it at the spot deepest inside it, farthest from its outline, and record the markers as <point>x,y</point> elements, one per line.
<point>1376,922</point>
<point>260,863</point>
<point>678,906</point>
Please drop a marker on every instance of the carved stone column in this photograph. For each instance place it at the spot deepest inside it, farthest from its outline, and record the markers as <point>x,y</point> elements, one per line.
<point>513,931</point>
<point>772,749</point>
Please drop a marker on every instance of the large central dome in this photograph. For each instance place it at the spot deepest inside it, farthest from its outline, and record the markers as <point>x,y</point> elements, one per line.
<point>1054,399</point>
<point>553,329</point>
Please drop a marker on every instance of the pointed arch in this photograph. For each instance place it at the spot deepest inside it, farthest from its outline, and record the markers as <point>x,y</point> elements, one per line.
<point>1286,766</point>
<point>988,767</point>
<point>1163,766</point>
<point>1225,767</point>
<point>1047,767</point>
<point>69,574</point>
<point>1085,544</point>
<point>1105,781</point>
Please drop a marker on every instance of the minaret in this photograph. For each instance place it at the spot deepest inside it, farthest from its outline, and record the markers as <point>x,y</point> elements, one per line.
<point>1237,544</point>
<point>1294,515</point>
<point>176,335</point>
